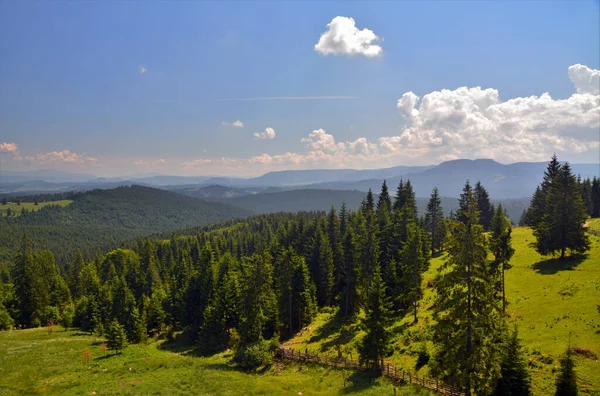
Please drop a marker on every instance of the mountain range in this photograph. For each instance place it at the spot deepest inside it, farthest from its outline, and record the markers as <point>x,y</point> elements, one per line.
<point>517,180</point>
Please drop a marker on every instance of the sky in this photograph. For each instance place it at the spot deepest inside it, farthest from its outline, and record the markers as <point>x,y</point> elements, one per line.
<point>243,88</point>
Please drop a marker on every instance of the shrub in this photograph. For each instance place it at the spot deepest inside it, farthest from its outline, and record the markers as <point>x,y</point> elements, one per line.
<point>6,322</point>
<point>254,355</point>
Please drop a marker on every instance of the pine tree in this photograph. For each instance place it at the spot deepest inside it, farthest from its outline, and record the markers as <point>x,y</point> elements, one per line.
<point>369,252</point>
<point>335,241</point>
<point>566,382</point>
<point>467,317</point>
<point>413,265</point>
<point>350,296</point>
<point>435,223</point>
<point>258,305</point>
<point>399,199</point>
<point>561,228</point>
<point>585,188</point>
<point>115,336</point>
<point>375,345</point>
<point>596,197</point>
<point>322,263</point>
<point>486,211</point>
<point>501,247</point>
<point>515,379</point>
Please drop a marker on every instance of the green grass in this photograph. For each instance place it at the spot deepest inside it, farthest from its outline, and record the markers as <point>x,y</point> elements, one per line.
<point>33,361</point>
<point>30,206</point>
<point>594,224</point>
<point>548,300</point>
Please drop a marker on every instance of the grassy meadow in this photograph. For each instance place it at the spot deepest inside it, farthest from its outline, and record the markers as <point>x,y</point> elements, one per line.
<point>36,362</point>
<point>30,206</point>
<point>547,300</point>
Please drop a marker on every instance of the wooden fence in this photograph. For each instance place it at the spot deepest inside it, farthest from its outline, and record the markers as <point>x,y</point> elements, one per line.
<point>388,370</point>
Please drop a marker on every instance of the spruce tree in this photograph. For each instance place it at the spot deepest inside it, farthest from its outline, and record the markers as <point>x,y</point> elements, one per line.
<point>399,198</point>
<point>435,223</point>
<point>115,336</point>
<point>375,345</point>
<point>596,197</point>
<point>350,297</point>
<point>561,228</point>
<point>515,379</point>
<point>413,265</point>
<point>501,247</point>
<point>566,382</point>
<point>335,241</point>
<point>467,317</point>
<point>369,252</point>
<point>484,205</point>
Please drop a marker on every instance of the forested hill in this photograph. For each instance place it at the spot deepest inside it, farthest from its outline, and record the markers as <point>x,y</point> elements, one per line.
<point>101,219</point>
<point>322,200</point>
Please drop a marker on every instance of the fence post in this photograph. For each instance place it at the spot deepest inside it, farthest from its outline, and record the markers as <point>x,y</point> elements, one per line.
<point>436,385</point>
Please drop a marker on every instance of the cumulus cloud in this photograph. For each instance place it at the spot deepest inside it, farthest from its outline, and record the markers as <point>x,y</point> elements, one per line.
<point>475,122</point>
<point>342,37</point>
<point>65,156</point>
<point>586,80</point>
<point>235,124</point>
<point>150,164</point>
<point>9,148</point>
<point>321,140</point>
<point>269,133</point>
<point>142,69</point>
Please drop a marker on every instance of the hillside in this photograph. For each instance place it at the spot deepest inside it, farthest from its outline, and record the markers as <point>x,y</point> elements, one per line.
<point>314,199</point>
<point>101,219</point>
<point>298,200</point>
<point>547,301</point>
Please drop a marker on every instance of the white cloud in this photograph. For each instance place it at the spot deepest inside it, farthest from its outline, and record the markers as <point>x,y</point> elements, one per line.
<point>476,123</point>
<point>586,80</point>
<point>235,124</point>
<point>150,164</point>
<point>9,148</point>
<point>269,133</point>
<point>321,140</point>
<point>142,69</point>
<point>65,156</point>
<point>344,38</point>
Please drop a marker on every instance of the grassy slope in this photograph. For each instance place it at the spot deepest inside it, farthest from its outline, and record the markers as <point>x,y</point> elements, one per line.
<point>547,301</point>
<point>33,361</point>
<point>30,206</point>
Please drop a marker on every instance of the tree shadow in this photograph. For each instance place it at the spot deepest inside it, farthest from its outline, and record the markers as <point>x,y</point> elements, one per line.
<point>359,381</point>
<point>554,265</point>
<point>108,355</point>
<point>342,329</point>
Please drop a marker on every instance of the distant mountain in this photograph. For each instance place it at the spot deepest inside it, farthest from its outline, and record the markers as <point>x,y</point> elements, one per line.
<point>311,176</point>
<point>55,176</point>
<point>216,191</point>
<point>102,219</point>
<point>511,181</point>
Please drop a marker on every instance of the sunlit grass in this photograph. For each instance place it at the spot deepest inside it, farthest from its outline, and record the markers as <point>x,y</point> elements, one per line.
<point>30,206</point>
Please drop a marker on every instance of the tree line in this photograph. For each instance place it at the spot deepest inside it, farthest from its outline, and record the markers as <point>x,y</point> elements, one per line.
<point>249,284</point>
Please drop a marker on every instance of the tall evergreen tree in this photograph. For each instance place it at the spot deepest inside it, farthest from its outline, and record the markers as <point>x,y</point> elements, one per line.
<point>413,265</point>
<point>350,296</point>
<point>501,247</point>
<point>515,379</point>
<point>467,317</point>
<point>435,223</point>
<point>335,241</point>
<point>399,198</point>
<point>596,197</point>
<point>566,382</point>
<point>561,228</point>
<point>375,345</point>
<point>484,205</point>
<point>369,252</point>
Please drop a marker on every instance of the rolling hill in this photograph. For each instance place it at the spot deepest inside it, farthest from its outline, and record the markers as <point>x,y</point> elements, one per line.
<point>101,219</point>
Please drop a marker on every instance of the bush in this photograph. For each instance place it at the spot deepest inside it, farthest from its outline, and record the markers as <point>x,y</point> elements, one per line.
<point>254,355</point>
<point>6,322</point>
<point>50,314</point>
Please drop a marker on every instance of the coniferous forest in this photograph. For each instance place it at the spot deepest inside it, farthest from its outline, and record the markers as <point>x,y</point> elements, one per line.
<point>248,285</point>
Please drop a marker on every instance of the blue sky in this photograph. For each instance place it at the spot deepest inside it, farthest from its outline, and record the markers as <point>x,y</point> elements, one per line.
<point>122,87</point>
